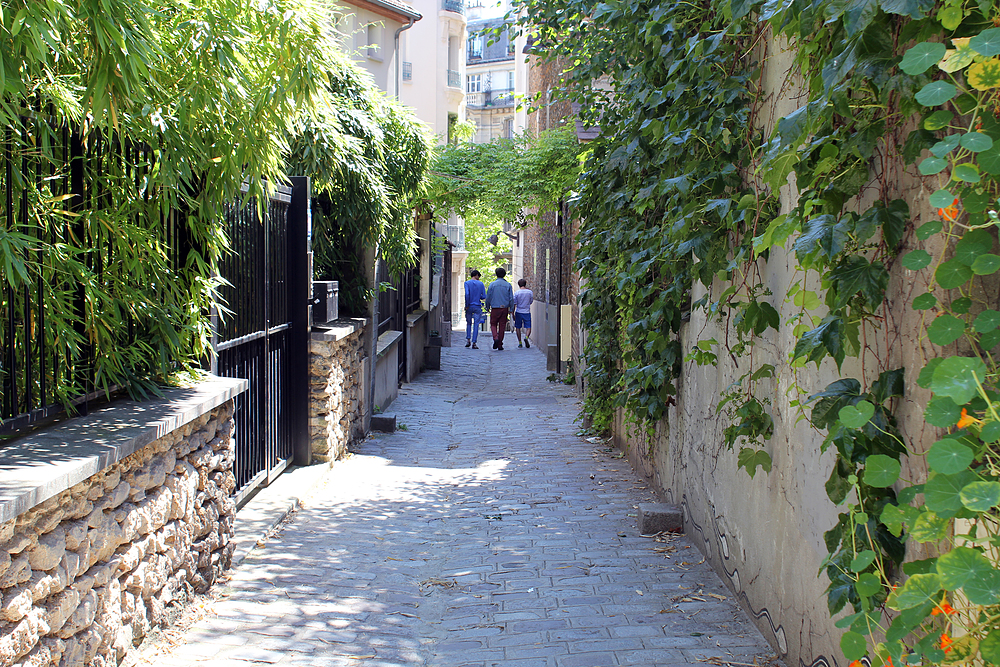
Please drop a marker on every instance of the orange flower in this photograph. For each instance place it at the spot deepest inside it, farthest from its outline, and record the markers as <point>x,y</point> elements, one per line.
<point>967,420</point>
<point>943,608</point>
<point>946,642</point>
<point>887,663</point>
<point>856,663</point>
<point>950,213</point>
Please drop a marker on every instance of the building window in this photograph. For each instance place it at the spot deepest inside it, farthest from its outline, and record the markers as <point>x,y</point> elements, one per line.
<point>508,128</point>
<point>374,41</point>
<point>474,84</point>
<point>407,71</point>
<point>510,79</point>
<point>476,46</point>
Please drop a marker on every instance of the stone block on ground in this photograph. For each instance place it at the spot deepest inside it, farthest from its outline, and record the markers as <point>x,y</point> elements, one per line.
<point>660,518</point>
<point>384,423</point>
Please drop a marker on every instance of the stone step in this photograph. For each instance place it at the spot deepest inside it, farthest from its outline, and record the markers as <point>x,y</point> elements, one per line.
<point>660,518</point>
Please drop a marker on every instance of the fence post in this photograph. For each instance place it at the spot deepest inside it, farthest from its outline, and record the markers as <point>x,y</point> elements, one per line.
<point>299,293</point>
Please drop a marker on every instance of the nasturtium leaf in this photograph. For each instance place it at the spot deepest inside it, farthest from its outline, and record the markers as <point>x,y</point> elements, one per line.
<point>936,93</point>
<point>955,377</point>
<point>929,527</point>
<point>960,565</point>
<point>973,243</point>
<point>853,645</point>
<point>965,172</point>
<point>983,590</point>
<point>949,456</point>
<point>990,339</point>
<point>946,145</point>
<point>989,648</point>
<point>929,229</point>
<point>942,493</point>
<point>958,58</point>
<point>868,585</point>
<point>862,560</point>
<point>921,57</point>
<point>990,432</point>
<point>941,199</point>
<point>945,329</point>
<point>881,471</point>
<point>975,202</point>
<point>989,161</point>
<point>952,274</point>
<point>926,374</point>
<point>981,496</point>
<point>941,411</point>
<point>961,305</point>
<point>950,17</point>
<point>924,301</point>
<point>986,43</point>
<point>856,416</point>
<point>932,165</point>
<point>984,75</point>
<point>937,120</point>
<point>917,590</point>
<point>916,260</point>
<point>977,142</point>
<point>985,265</point>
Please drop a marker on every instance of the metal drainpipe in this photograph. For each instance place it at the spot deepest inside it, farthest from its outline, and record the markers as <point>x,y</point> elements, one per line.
<point>559,237</point>
<point>395,48</point>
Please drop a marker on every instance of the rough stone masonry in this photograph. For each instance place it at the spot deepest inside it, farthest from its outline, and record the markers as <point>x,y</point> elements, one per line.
<point>87,573</point>
<point>336,365</point>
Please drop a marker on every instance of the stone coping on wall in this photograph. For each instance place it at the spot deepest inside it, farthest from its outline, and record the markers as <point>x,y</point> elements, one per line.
<point>414,317</point>
<point>386,342</point>
<point>336,330</point>
<point>43,464</point>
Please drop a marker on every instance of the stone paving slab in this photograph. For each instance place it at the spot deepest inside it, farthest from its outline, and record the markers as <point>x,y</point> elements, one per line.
<point>485,533</point>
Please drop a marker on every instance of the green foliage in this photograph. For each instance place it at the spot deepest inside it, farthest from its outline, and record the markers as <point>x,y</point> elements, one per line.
<point>479,226</point>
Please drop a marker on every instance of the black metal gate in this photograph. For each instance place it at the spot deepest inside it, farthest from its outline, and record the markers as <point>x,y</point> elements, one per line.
<point>263,336</point>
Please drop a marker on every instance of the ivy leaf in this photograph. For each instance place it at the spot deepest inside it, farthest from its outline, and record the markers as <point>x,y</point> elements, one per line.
<point>824,339</point>
<point>961,565</point>
<point>888,385</point>
<point>881,471</point>
<point>857,415</point>
<point>986,43</point>
<point>938,120</point>
<point>856,275</point>
<point>932,165</point>
<point>945,329</point>
<point>941,411</point>
<point>917,590</point>
<point>949,456</point>
<point>952,274</point>
<point>984,75</point>
<point>823,234</point>
<point>981,496</point>
<point>942,493</point>
<point>751,459</point>
<point>927,372</point>
<point>936,93</point>
<point>958,58</point>
<point>915,9</point>
<point>976,142</point>
<point>916,260</point>
<point>921,57</point>
<point>836,395</point>
<point>924,301</point>
<point>955,377</point>
<point>985,265</point>
<point>988,320</point>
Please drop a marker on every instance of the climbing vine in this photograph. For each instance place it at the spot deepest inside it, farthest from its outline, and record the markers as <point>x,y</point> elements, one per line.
<point>693,186</point>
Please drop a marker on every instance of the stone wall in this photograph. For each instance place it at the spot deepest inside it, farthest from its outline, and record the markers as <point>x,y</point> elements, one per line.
<point>336,388</point>
<point>85,574</point>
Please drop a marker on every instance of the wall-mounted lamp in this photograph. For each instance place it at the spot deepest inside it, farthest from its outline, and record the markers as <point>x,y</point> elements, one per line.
<point>516,238</point>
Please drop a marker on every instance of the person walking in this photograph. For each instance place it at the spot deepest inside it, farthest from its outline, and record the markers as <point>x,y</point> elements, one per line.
<point>523,298</point>
<point>500,302</point>
<point>475,292</point>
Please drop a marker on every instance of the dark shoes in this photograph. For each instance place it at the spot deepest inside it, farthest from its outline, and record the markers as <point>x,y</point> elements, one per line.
<point>526,343</point>
<point>475,347</point>
<point>468,342</point>
<point>494,343</point>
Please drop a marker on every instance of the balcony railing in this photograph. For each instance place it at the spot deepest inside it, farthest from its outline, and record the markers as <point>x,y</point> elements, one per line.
<point>499,98</point>
<point>456,234</point>
<point>475,99</point>
<point>454,79</point>
<point>407,71</point>
<point>457,6</point>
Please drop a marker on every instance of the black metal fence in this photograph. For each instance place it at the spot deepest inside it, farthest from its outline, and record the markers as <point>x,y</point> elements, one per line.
<point>395,302</point>
<point>62,194</point>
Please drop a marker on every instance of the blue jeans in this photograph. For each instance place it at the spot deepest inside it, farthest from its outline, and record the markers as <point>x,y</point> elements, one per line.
<point>473,317</point>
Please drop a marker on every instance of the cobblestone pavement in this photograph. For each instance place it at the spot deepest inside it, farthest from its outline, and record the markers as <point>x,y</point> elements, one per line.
<point>483,532</point>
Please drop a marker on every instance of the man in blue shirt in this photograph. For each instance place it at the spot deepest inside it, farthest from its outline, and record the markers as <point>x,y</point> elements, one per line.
<point>475,292</point>
<point>500,303</point>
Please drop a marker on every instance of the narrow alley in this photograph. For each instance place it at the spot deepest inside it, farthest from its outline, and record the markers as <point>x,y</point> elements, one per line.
<point>483,532</point>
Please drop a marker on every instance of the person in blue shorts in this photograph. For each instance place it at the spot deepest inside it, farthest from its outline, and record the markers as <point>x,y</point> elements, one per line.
<point>475,293</point>
<point>523,298</point>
